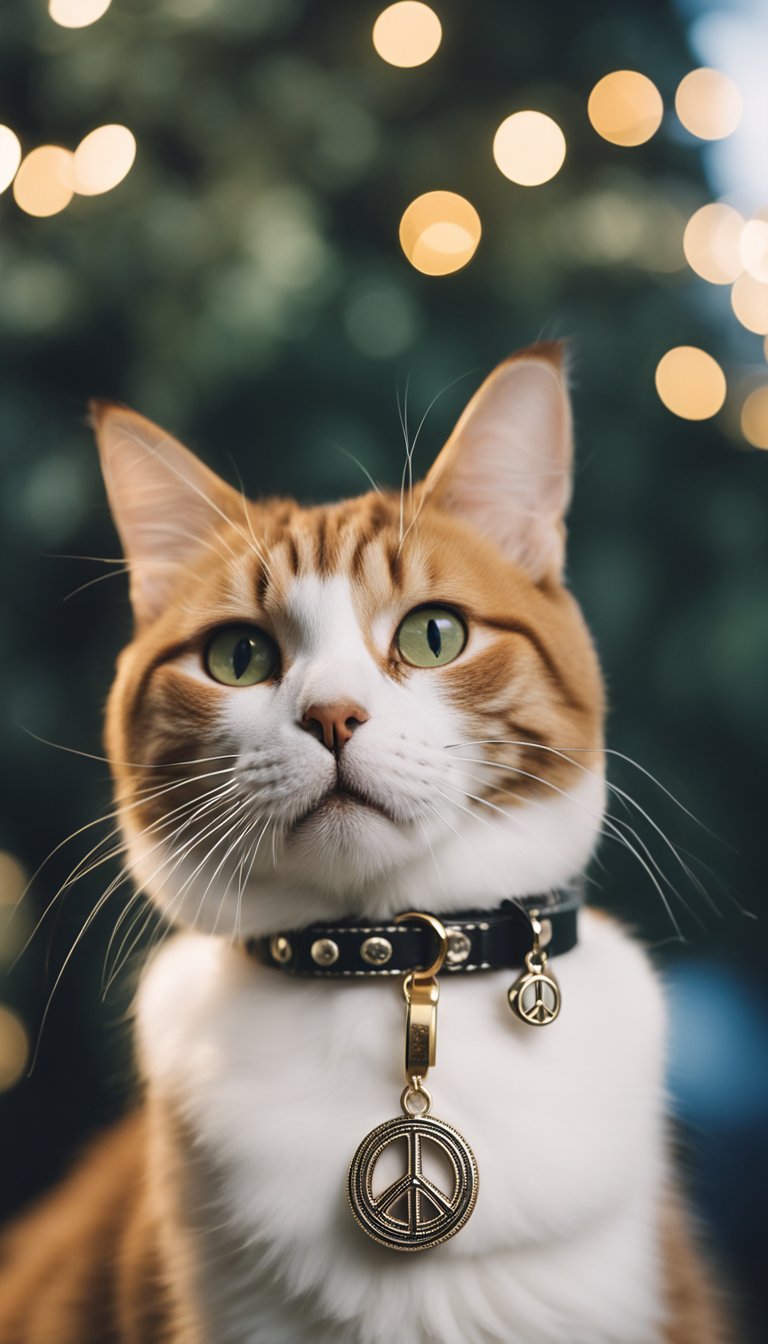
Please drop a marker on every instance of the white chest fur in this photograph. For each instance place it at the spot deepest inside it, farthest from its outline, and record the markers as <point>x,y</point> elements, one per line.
<point>277,1080</point>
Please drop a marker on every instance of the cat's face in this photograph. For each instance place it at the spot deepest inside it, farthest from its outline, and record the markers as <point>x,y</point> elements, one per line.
<point>344,709</point>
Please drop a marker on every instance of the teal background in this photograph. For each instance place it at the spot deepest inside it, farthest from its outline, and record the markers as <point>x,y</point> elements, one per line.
<point>244,287</point>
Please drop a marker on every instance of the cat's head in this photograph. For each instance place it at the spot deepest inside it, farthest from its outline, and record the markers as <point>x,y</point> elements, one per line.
<point>346,709</point>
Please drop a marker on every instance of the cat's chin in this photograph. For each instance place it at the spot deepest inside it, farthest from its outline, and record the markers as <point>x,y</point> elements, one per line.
<point>344,842</point>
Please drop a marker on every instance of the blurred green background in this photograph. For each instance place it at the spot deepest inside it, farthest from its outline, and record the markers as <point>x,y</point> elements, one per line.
<point>244,286</point>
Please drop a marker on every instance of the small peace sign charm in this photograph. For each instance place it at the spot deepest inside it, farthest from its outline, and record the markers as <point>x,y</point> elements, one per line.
<point>413,1213</point>
<point>535,997</point>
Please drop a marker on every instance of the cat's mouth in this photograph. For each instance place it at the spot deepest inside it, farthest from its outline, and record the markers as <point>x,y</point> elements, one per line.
<point>338,801</point>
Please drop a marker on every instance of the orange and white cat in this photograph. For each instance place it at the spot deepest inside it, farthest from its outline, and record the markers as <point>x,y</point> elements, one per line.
<point>282,754</point>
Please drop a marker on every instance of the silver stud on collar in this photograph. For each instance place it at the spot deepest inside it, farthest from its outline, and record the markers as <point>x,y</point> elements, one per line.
<point>376,951</point>
<point>324,952</point>
<point>280,949</point>
<point>459,947</point>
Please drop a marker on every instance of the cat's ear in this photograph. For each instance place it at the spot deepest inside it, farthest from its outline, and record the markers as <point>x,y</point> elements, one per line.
<point>506,469</point>
<point>164,502</point>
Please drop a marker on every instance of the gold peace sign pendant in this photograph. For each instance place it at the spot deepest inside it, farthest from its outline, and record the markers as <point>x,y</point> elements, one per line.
<point>535,998</point>
<point>413,1213</point>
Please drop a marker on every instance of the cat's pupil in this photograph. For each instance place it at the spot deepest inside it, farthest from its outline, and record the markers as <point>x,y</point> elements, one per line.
<point>434,638</point>
<point>241,657</point>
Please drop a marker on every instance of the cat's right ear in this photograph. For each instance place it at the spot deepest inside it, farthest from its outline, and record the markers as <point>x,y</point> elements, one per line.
<point>506,469</point>
<point>164,502</point>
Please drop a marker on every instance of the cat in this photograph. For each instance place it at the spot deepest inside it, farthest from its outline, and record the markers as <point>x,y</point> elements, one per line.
<point>349,712</point>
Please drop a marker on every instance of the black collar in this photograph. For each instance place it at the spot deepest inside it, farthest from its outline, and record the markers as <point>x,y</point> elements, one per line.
<point>478,940</point>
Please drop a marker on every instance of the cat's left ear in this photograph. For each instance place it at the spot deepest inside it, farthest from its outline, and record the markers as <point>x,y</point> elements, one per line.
<point>506,469</point>
<point>165,503</point>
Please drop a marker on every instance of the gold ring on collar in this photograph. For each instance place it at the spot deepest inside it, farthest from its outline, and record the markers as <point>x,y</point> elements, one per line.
<point>437,927</point>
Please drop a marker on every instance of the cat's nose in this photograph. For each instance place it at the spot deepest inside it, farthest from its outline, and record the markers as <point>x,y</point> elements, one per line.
<point>333,725</point>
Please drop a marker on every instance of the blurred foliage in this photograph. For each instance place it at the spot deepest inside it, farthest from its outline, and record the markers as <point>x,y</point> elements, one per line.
<point>244,287</point>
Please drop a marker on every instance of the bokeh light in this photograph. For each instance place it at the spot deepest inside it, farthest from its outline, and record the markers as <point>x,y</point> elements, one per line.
<point>103,159</point>
<point>13,918</point>
<point>620,223</point>
<point>712,243</point>
<point>44,184</point>
<point>439,232</point>
<point>708,104</point>
<point>13,878</point>
<point>754,418</point>
<point>625,107</point>
<point>10,156</point>
<point>690,383</point>
<point>753,247</point>
<point>529,148</point>
<point>77,13</point>
<point>14,1048</point>
<point>407,34</point>
<point>749,300</point>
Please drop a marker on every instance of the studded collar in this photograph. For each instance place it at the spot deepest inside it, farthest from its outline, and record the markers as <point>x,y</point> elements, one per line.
<point>478,940</point>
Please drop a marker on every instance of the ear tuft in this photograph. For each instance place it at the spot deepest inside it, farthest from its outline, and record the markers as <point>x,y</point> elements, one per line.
<point>506,469</point>
<point>550,352</point>
<point>99,408</point>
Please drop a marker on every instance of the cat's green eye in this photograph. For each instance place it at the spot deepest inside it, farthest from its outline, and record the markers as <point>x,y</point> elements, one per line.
<point>241,655</point>
<point>431,637</point>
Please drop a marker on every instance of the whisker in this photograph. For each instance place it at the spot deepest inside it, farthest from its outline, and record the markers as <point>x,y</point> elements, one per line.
<point>564,793</point>
<point>250,857</point>
<point>478,860</point>
<point>403,417</point>
<point>247,516</point>
<point>613,832</point>
<point>425,833</point>
<point>134,765</point>
<point>212,542</point>
<point>238,839</point>
<point>133,906</point>
<point>514,815</point>
<point>82,868</point>
<point>200,810</point>
<point>141,905</point>
<point>125,873</point>
<point>607,751</point>
<point>628,799</point>
<point>175,858</point>
<point>415,516</point>
<point>504,811</point>
<point>176,900</point>
<point>114,573</point>
<point>236,844</point>
<point>96,559</point>
<point>363,468</point>
<point>192,486</point>
<point>78,939</point>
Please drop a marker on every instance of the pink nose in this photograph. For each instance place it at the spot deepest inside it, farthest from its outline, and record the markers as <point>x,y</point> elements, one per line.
<point>333,725</point>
